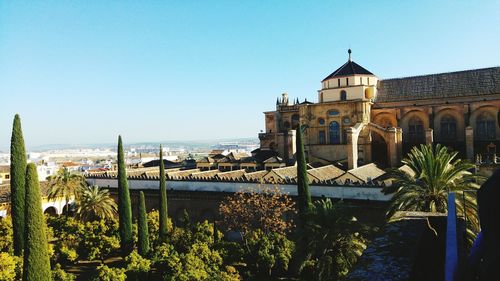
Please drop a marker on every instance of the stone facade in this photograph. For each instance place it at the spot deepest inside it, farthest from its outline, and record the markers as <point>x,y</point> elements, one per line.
<point>361,119</point>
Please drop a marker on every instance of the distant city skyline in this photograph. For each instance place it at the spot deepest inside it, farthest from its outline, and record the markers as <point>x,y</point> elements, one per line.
<point>84,72</point>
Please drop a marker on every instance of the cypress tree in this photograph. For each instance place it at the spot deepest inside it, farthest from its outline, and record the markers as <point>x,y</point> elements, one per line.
<point>163,200</point>
<point>142,222</point>
<point>17,184</point>
<point>124,206</point>
<point>36,264</point>
<point>304,204</point>
<point>304,195</point>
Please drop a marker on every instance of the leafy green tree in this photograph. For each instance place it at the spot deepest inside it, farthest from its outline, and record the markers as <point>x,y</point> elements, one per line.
<point>95,203</point>
<point>124,205</point>
<point>99,240</point>
<point>17,184</point>
<point>7,267</point>
<point>105,273</point>
<point>266,252</point>
<point>430,175</point>
<point>163,200</point>
<point>68,231</point>
<point>65,184</point>
<point>143,244</point>
<point>6,243</point>
<point>333,241</point>
<point>36,255</point>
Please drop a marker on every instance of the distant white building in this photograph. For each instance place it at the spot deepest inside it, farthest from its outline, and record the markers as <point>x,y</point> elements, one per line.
<point>46,169</point>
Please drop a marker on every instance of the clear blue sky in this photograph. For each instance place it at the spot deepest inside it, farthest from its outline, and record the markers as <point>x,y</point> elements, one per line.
<point>85,71</point>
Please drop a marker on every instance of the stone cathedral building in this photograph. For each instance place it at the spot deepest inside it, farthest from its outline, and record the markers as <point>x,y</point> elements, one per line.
<point>360,118</point>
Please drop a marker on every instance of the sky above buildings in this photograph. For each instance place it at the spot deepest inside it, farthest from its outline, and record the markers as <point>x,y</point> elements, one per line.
<point>82,72</point>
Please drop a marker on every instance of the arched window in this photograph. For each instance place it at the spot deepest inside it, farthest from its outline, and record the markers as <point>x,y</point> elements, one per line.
<point>485,127</point>
<point>334,132</point>
<point>416,130</point>
<point>343,95</point>
<point>295,121</point>
<point>448,128</point>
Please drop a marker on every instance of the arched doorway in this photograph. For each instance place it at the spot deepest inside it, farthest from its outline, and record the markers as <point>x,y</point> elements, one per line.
<point>380,153</point>
<point>51,211</point>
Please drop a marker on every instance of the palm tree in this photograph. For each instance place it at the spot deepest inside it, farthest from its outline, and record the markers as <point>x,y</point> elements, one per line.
<point>426,179</point>
<point>333,241</point>
<point>96,203</point>
<point>65,184</point>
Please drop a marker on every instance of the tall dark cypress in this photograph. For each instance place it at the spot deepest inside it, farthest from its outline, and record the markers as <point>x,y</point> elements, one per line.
<point>124,206</point>
<point>142,223</point>
<point>163,200</point>
<point>304,204</point>
<point>304,195</point>
<point>36,264</point>
<point>17,188</point>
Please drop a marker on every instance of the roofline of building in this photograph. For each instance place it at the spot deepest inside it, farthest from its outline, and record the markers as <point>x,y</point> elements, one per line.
<point>440,73</point>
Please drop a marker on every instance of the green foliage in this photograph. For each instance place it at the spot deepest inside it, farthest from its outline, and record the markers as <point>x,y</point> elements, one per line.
<point>304,195</point>
<point>167,260</point>
<point>68,232</point>
<point>430,175</point>
<point>36,254</point>
<point>142,223</point>
<point>137,267</point>
<point>67,255</point>
<point>6,233</point>
<point>58,274</point>
<point>17,184</point>
<point>267,252</point>
<point>333,241</point>
<point>124,205</point>
<point>153,227</point>
<point>303,202</point>
<point>7,267</point>
<point>96,240</point>
<point>95,203</point>
<point>163,212</point>
<point>105,273</point>
<point>192,255</point>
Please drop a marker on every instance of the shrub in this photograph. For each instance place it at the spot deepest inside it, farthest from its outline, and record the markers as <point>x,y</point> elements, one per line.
<point>137,266</point>
<point>58,274</point>
<point>6,233</point>
<point>7,267</point>
<point>105,273</point>
<point>66,255</point>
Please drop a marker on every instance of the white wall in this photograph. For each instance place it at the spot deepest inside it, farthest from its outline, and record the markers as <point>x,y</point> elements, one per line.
<point>343,192</point>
